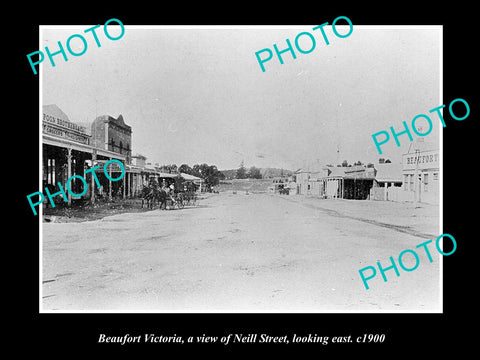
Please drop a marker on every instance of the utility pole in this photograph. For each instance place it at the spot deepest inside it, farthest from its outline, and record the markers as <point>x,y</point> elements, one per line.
<point>415,177</point>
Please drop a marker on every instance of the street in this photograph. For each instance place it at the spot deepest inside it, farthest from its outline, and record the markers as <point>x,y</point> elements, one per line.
<point>243,253</point>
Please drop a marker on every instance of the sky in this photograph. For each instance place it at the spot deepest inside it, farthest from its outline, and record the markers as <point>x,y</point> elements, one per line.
<point>197,94</point>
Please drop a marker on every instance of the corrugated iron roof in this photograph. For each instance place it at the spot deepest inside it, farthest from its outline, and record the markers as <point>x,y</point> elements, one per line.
<point>167,175</point>
<point>190,177</point>
<point>312,168</point>
<point>336,171</point>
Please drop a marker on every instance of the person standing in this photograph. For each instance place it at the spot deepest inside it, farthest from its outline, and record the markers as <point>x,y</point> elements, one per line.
<point>171,193</point>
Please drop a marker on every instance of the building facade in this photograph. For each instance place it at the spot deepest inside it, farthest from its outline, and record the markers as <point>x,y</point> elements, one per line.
<point>307,179</point>
<point>388,179</point>
<point>68,149</point>
<point>352,182</point>
<point>113,135</point>
<point>357,182</point>
<point>421,173</point>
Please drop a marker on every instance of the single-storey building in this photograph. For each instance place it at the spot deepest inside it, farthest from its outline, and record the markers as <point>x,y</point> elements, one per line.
<point>387,176</point>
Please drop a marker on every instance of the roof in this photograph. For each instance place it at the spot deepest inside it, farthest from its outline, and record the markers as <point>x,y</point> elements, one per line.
<point>336,170</point>
<point>190,177</point>
<point>133,168</point>
<point>312,168</point>
<point>421,145</point>
<point>139,156</point>
<point>149,168</point>
<point>354,168</point>
<point>118,121</point>
<point>167,175</point>
<point>55,111</point>
<point>389,172</point>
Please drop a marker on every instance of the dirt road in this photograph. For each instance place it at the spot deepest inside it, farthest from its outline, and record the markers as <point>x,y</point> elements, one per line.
<point>237,252</point>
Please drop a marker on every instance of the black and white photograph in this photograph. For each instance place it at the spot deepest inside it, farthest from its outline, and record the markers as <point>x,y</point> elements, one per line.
<point>279,177</point>
<point>246,185</point>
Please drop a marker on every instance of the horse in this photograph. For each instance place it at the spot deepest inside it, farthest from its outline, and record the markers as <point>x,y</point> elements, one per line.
<point>153,194</point>
<point>147,196</point>
<point>161,196</point>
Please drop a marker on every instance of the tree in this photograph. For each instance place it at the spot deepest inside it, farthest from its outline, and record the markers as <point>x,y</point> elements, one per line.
<point>388,161</point>
<point>196,171</point>
<point>254,173</point>
<point>172,169</point>
<point>213,176</point>
<point>221,175</point>
<point>209,173</point>
<point>184,168</point>
<point>344,163</point>
<point>203,169</point>
<point>241,172</point>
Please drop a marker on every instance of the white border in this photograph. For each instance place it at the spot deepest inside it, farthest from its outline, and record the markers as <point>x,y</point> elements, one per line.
<point>441,166</point>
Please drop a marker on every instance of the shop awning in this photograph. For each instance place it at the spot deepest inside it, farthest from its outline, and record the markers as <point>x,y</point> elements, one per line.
<point>189,177</point>
<point>167,175</point>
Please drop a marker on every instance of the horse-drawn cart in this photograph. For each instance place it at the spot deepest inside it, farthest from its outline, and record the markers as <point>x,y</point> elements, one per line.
<point>183,194</point>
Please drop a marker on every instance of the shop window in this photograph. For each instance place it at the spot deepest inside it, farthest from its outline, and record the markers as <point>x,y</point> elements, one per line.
<point>405,182</point>
<point>435,176</point>
<point>411,183</point>
<point>425,182</point>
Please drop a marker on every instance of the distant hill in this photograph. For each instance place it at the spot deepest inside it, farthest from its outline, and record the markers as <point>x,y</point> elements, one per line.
<point>267,173</point>
<point>250,185</point>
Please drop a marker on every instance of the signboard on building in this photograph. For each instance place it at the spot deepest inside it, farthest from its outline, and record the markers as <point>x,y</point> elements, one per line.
<point>112,166</point>
<point>64,129</point>
<point>424,160</point>
<point>359,172</point>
